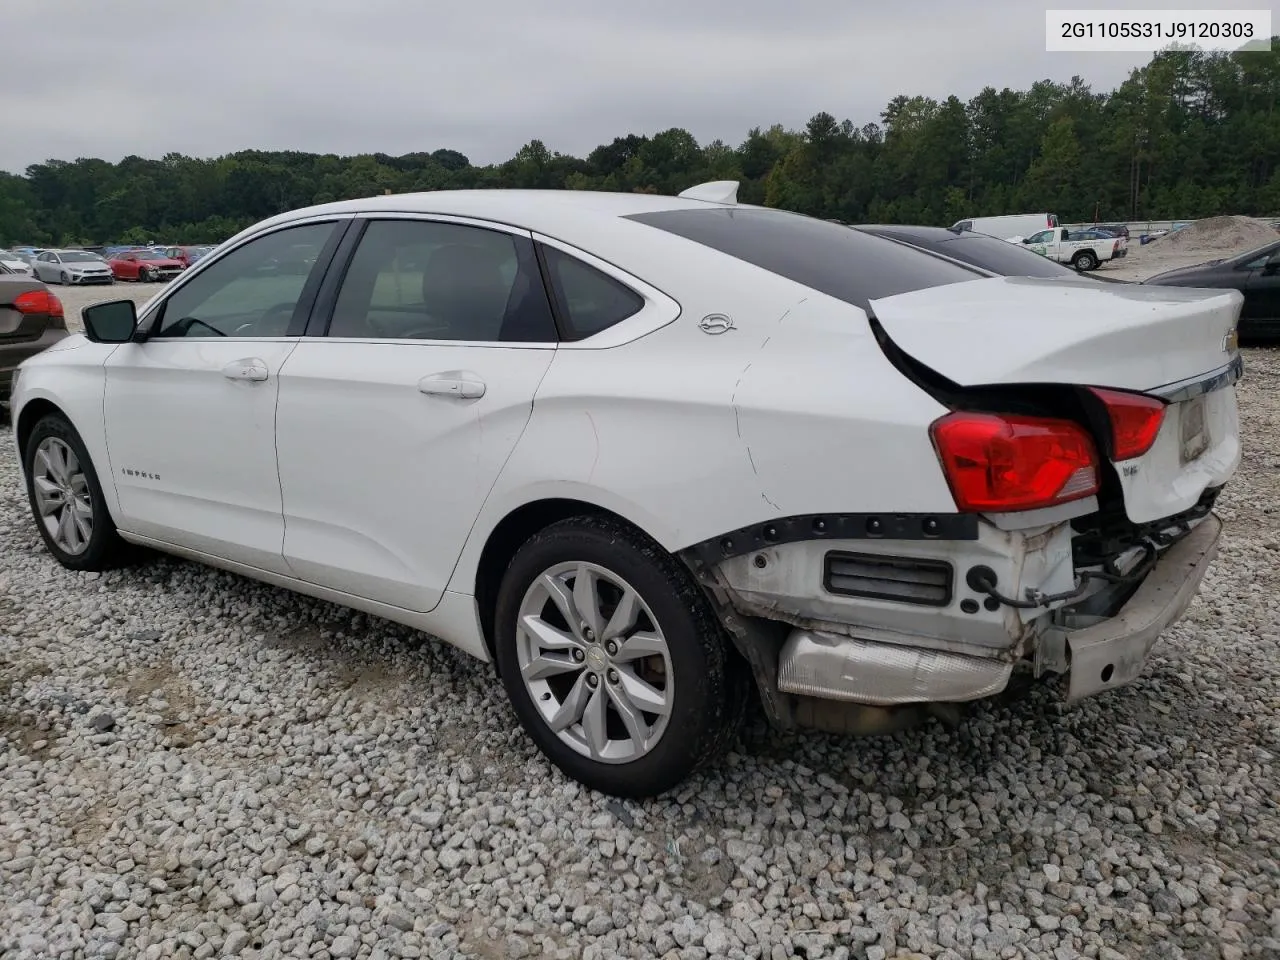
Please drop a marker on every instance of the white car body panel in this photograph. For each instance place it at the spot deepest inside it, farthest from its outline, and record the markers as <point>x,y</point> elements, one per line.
<point>1159,483</point>
<point>1035,330</point>
<point>68,376</point>
<point>691,436</point>
<point>384,511</point>
<point>193,452</point>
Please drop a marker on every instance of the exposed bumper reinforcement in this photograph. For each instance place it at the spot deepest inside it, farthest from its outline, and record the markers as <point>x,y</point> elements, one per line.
<point>828,666</point>
<point>1114,652</point>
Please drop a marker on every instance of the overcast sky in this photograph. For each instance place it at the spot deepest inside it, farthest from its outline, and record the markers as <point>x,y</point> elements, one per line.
<point>106,79</point>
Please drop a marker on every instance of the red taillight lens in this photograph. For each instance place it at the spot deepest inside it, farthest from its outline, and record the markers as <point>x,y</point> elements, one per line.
<point>999,463</point>
<point>1135,421</point>
<point>38,301</point>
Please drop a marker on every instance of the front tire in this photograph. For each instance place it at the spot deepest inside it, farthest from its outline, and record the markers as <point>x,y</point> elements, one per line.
<point>144,275</point>
<point>65,279</point>
<point>66,499</point>
<point>613,659</point>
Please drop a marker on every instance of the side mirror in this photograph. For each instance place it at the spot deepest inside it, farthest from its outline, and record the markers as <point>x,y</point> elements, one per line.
<point>111,322</point>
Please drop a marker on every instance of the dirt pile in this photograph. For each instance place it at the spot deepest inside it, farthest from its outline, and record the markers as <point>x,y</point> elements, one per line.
<point>1221,235</point>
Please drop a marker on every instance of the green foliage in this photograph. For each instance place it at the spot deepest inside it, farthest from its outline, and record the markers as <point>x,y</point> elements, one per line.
<point>1188,135</point>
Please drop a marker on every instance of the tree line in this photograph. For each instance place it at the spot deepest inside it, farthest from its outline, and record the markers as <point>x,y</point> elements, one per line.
<point>1187,135</point>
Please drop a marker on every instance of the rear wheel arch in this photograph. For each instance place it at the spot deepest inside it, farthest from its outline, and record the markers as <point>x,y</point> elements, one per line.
<point>512,532</point>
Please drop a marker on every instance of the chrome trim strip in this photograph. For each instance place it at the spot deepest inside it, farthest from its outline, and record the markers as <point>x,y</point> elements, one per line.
<point>1192,387</point>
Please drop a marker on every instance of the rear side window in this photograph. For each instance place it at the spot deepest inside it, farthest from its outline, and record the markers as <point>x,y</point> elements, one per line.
<point>832,259</point>
<point>590,301</point>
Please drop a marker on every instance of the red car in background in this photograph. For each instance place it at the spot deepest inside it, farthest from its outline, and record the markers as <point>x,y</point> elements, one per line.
<point>145,266</point>
<point>187,255</point>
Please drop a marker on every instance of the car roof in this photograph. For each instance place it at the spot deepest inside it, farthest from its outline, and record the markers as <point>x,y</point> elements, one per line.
<point>543,210</point>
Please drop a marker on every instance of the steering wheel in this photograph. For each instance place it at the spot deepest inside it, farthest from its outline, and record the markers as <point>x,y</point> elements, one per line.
<point>264,320</point>
<point>192,321</point>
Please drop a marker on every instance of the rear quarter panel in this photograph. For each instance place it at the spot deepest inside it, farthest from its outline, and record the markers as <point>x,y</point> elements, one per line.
<point>691,435</point>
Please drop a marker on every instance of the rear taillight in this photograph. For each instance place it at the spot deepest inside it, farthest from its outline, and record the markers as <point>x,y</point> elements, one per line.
<point>1000,463</point>
<point>1135,421</point>
<point>38,301</point>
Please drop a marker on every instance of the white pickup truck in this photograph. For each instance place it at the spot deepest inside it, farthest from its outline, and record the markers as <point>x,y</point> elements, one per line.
<point>1085,253</point>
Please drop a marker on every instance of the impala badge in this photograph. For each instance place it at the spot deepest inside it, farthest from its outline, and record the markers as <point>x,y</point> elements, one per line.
<point>715,323</point>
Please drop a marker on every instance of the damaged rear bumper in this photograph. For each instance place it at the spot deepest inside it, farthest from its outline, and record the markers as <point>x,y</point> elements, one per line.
<point>1096,658</point>
<point>1114,652</point>
<point>827,655</point>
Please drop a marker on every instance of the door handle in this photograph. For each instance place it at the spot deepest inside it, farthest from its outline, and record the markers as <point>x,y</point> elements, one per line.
<point>250,368</point>
<point>447,386</point>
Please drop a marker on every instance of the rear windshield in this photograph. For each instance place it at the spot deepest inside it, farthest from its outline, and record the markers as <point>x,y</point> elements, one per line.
<point>988,253</point>
<point>830,258</point>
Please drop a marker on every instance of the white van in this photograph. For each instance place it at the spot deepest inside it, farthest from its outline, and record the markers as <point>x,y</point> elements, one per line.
<point>1012,225</point>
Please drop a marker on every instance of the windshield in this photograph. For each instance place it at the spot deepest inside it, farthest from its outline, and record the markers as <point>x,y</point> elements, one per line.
<point>150,255</point>
<point>78,256</point>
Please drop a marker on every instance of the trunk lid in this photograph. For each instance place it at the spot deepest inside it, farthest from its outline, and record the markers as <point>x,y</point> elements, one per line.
<point>1032,330</point>
<point>17,327</point>
<point>1173,342</point>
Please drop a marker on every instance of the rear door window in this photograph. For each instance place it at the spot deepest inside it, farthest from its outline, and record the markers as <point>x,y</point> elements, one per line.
<point>836,260</point>
<point>429,280</point>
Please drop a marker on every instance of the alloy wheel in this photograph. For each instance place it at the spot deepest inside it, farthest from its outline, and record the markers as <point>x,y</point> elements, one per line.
<point>595,662</point>
<point>62,496</point>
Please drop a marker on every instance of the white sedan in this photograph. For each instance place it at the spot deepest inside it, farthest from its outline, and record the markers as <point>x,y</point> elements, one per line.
<point>15,263</point>
<point>649,454</point>
<point>71,267</point>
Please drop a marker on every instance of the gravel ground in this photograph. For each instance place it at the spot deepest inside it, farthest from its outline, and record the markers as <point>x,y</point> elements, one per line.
<point>195,765</point>
<point>75,299</point>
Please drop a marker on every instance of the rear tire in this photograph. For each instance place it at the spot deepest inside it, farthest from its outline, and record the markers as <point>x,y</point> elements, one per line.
<point>1084,261</point>
<point>627,703</point>
<point>66,499</point>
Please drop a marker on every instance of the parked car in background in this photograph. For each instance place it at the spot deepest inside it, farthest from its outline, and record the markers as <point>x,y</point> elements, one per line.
<point>144,266</point>
<point>1255,273</point>
<point>1060,244</point>
<point>1113,229</point>
<point>186,255</point>
<point>999,257</point>
<point>31,319</point>
<point>635,520</point>
<point>71,267</point>
<point>1009,225</point>
<point>27,253</point>
<point>1119,250</point>
<point>15,262</point>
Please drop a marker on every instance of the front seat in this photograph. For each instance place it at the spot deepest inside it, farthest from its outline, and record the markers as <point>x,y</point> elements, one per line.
<point>463,290</point>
